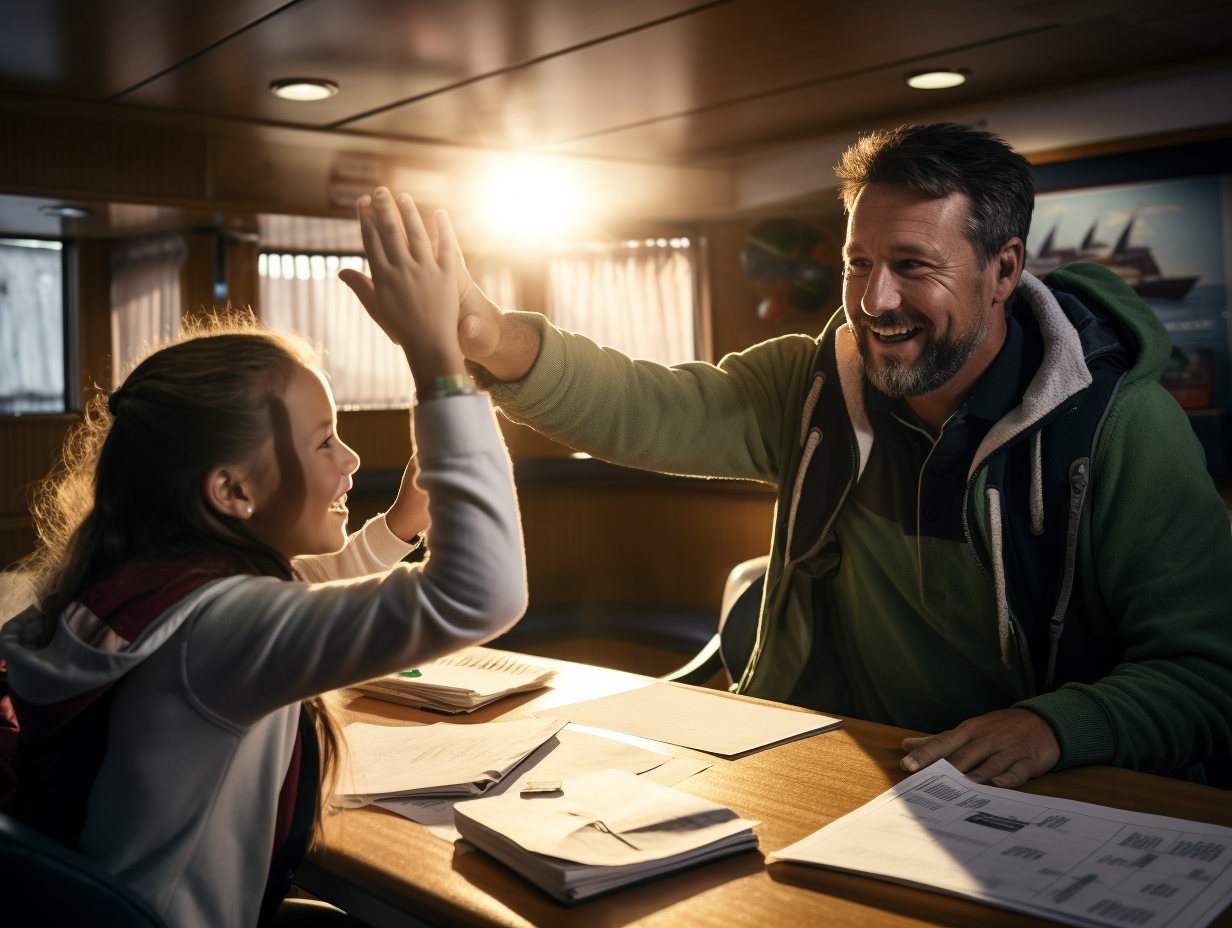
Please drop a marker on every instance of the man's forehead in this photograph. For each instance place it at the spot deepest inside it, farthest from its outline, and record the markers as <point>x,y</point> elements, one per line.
<point>888,217</point>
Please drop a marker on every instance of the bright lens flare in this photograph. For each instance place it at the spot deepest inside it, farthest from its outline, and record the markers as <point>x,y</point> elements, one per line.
<point>530,199</point>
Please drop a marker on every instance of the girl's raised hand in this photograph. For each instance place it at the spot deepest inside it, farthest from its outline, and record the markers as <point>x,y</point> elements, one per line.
<point>413,292</point>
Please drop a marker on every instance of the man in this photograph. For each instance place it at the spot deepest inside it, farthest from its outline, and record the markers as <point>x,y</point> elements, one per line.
<point>993,523</point>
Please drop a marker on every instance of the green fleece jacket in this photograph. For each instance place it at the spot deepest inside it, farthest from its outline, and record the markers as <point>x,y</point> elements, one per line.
<point>1151,602</point>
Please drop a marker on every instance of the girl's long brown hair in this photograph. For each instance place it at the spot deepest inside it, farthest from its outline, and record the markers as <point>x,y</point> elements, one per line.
<point>129,486</point>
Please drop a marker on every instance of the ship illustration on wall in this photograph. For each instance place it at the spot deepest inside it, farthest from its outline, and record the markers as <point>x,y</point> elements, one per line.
<point>1135,264</point>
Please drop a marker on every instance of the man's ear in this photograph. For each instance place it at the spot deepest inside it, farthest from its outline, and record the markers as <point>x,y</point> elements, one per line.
<point>227,493</point>
<point>1009,264</point>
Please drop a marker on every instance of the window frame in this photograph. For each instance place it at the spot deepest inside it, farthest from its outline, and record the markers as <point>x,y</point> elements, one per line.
<point>70,317</point>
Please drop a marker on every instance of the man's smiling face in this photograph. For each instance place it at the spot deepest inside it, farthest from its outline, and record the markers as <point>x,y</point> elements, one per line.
<point>921,307</point>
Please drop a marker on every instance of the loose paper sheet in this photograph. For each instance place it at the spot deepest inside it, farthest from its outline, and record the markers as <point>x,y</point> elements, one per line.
<point>1073,862</point>
<point>694,719</point>
<point>456,759</point>
<point>567,756</point>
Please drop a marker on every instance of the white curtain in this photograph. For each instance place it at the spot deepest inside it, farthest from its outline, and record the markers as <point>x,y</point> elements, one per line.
<point>309,233</point>
<point>31,327</point>
<point>634,297</point>
<point>303,293</point>
<point>145,299</point>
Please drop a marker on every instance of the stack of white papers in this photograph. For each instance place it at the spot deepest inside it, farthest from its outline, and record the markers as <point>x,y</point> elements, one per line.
<point>1072,862</point>
<point>567,756</point>
<point>441,761</point>
<point>462,682</point>
<point>602,832</point>
<point>693,718</point>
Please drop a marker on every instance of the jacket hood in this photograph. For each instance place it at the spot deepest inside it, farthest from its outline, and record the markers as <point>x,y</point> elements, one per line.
<point>82,655</point>
<point>1105,293</point>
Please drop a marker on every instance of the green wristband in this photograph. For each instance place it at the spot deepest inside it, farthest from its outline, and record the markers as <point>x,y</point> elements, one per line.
<point>448,385</point>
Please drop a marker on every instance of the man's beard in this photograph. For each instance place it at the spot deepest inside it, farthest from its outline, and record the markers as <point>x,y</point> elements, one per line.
<point>943,356</point>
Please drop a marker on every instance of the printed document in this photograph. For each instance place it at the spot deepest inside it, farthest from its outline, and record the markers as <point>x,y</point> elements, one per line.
<point>694,719</point>
<point>445,760</point>
<point>1072,862</point>
<point>461,682</point>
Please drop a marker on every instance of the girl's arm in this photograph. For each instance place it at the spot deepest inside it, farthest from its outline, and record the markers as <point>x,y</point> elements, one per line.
<point>266,643</point>
<point>374,549</point>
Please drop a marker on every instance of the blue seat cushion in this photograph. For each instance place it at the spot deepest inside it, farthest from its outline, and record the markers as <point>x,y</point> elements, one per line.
<point>44,883</point>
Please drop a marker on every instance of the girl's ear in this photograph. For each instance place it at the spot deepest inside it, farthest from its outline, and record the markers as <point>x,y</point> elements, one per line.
<point>227,493</point>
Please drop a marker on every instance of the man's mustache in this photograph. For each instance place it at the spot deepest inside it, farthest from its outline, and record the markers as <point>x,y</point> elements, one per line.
<point>892,319</point>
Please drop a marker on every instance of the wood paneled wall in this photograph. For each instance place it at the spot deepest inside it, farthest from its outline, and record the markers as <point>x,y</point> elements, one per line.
<point>94,314</point>
<point>49,154</point>
<point>197,276</point>
<point>654,541</point>
<point>29,445</point>
<point>381,437</point>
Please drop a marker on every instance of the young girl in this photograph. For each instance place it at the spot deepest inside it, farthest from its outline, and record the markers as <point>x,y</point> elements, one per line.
<point>159,681</point>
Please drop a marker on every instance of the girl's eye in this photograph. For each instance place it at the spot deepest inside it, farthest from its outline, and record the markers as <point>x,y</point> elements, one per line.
<point>328,439</point>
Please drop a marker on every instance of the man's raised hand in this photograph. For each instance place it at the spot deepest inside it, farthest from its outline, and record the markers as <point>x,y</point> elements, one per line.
<point>1004,748</point>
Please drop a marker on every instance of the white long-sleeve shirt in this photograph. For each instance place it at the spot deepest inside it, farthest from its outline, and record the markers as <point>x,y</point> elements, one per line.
<point>205,710</point>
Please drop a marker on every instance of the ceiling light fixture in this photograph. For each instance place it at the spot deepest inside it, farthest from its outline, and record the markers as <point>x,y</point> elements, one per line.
<point>938,80</point>
<point>67,212</point>
<point>303,89</point>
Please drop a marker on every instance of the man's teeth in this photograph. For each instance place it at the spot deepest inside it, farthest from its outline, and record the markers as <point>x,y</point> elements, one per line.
<point>898,330</point>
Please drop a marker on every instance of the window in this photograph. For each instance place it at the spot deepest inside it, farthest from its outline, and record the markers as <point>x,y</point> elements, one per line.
<point>636,296</point>
<point>32,331</point>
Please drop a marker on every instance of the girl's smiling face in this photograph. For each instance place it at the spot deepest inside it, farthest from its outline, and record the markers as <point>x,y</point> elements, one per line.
<point>304,472</point>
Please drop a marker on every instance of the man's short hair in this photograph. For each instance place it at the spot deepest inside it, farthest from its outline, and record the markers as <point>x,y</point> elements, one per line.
<point>943,158</point>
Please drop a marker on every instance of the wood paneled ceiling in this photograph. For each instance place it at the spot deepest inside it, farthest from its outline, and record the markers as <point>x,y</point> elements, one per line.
<point>670,81</point>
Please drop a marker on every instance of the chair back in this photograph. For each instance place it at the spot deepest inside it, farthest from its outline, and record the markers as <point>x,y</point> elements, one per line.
<point>731,648</point>
<point>44,883</point>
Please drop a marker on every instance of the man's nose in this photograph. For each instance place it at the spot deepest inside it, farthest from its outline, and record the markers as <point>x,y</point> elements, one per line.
<point>880,293</point>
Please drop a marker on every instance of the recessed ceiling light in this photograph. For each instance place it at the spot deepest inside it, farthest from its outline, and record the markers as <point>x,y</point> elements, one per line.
<point>938,80</point>
<point>67,212</point>
<point>303,89</point>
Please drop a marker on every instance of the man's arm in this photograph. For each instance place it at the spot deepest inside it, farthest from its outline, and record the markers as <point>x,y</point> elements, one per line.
<point>1163,558</point>
<point>700,419</point>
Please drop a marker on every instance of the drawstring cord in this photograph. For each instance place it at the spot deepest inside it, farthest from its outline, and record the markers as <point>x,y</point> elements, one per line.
<point>1037,483</point>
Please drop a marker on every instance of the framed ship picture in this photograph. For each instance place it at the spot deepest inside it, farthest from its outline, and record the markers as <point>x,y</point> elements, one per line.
<point>1167,240</point>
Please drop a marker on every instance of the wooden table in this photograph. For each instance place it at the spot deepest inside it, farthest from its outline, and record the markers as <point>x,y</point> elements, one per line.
<point>392,872</point>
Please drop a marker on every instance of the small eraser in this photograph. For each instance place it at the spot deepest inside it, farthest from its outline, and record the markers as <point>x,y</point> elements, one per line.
<point>542,786</point>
